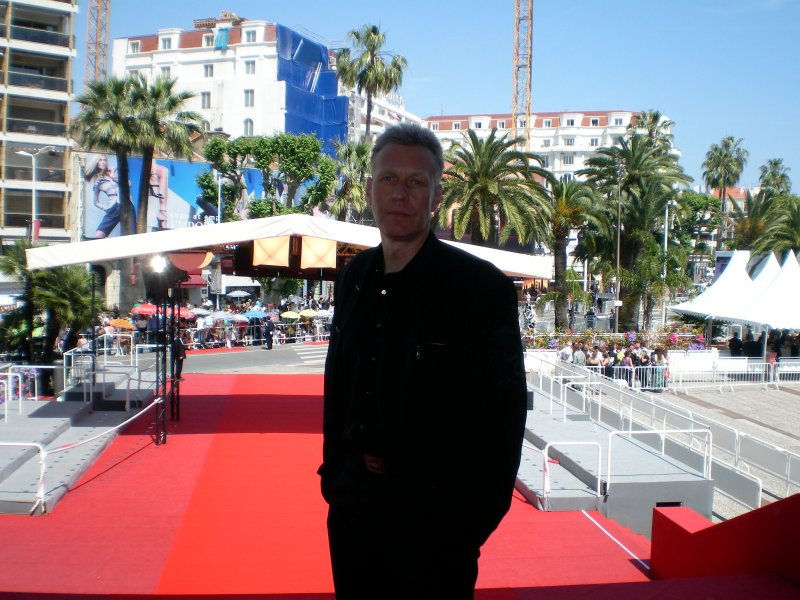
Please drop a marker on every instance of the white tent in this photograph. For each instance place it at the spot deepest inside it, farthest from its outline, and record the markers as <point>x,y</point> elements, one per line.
<point>733,285</point>
<point>219,238</point>
<point>775,305</point>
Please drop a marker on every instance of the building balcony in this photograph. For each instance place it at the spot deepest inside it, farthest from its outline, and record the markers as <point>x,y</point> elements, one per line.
<point>40,36</point>
<point>30,80</point>
<point>36,127</point>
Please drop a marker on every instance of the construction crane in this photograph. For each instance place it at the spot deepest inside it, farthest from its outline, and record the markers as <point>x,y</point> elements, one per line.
<point>523,52</point>
<point>99,14</point>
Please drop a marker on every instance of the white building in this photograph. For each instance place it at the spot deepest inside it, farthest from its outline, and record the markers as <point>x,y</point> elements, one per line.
<point>250,77</point>
<point>36,54</point>
<point>564,140</point>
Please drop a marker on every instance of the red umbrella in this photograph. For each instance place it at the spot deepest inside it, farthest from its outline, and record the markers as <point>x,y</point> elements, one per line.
<point>144,309</point>
<point>185,313</point>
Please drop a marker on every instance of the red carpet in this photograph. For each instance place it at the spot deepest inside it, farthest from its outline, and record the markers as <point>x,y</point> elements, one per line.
<point>230,506</point>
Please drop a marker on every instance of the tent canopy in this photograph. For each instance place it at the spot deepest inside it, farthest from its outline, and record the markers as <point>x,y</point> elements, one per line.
<point>766,300</point>
<point>240,241</point>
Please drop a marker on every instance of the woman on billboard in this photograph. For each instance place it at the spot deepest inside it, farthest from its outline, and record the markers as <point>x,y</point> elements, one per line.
<point>105,192</point>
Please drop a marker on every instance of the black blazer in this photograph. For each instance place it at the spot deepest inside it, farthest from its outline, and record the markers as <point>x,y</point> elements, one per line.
<point>462,388</point>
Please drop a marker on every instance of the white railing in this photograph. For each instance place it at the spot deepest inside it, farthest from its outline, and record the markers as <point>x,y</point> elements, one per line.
<point>546,469</point>
<point>45,454</point>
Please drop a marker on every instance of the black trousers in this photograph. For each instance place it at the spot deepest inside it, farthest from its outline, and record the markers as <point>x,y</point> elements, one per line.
<point>382,548</point>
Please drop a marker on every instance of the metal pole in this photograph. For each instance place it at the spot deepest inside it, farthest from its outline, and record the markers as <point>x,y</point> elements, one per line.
<point>619,229</point>
<point>219,197</point>
<point>664,270</point>
<point>34,215</point>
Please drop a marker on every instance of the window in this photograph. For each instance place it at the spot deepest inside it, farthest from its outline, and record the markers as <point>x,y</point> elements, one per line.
<point>501,124</point>
<point>133,72</point>
<point>595,122</point>
<point>208,70</point>
<point>547,123</point>
<point>208,40</point>
<point>250,36</point>
<point>594,142</point>
<point>523,123</point>
<point>205,99</point>
<point>250,67</point>
<point>567,159</point>
<point>166,43</point>
<point>617,120</point>
<point>165,72</point>
<point>570,122</point>
<point>248,126</point>
<point>569,141</point>
<point>133,47</point>
<point>249,98</point>
<point>478,125</point>
<point>566,177</point>
<point>546,143</point>
<point>434,127</point>
<point>456,125</point>
<point>206,126</point>
<point>545,161</point>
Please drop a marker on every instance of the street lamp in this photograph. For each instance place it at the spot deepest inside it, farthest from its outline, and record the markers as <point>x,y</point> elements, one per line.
<point>617,303</point>
<point>33,156</point>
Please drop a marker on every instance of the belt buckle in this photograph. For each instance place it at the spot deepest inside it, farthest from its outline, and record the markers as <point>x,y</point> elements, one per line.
<point>375,464</point>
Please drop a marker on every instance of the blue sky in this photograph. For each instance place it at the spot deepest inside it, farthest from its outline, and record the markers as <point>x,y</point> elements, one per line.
<point>715,67</point>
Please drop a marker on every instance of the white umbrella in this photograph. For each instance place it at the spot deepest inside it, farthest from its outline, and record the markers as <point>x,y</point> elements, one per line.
<point>238,294</point>
<point>201,312</point>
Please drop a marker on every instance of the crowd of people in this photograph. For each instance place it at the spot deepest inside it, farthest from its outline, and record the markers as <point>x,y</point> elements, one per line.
<point>621,363</point>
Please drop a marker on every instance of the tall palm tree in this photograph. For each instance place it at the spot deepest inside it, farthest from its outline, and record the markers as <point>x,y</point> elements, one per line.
<point>107,122</point>
<point>637,176</point>
<point>654,125</point>
<point>572,205</point>
<point>491,190</point>
<point>775,177</point>
<point>372,70</point>
<point>752,221</point>
<point>162,125</point>
<point>783,233</point>
<point>722,168</point>
<point>350,197</point>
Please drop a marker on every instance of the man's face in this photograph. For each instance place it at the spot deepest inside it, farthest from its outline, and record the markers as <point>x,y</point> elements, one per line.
<point>403,191</point>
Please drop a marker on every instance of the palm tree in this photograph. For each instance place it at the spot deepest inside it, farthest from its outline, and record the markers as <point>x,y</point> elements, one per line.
<point>64,294</point>
<point>491,190</point>
<point>784,231</point>
<point>107,122</point>
<point>654,125</point>
<point>638,175</point>
<point>572,205</point>
<point>775,177</point>
<point>162,125</point>
<point>751,221</point>
<point>14,265</point>
<point>354,163</point>
<point>370,71</point>
<point>722,168</point>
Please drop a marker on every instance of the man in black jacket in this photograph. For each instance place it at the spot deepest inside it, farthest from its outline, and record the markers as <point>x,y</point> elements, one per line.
<point>424,395</point>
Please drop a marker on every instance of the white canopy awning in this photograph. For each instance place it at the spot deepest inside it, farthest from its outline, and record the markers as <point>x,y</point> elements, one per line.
<point>220,237</point>
<point>733,285</point>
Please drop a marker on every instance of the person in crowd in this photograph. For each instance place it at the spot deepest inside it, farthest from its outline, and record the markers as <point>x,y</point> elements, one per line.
<point>566,352</point>
<point>105,192</point>
<point>179,351</point>
<point>735,345</point>
<point>579,356</point>
<point>267,332</point>
<point>414,408</point>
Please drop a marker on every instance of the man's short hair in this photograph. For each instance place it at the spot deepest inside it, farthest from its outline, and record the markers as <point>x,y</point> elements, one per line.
<point>410,134</point>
